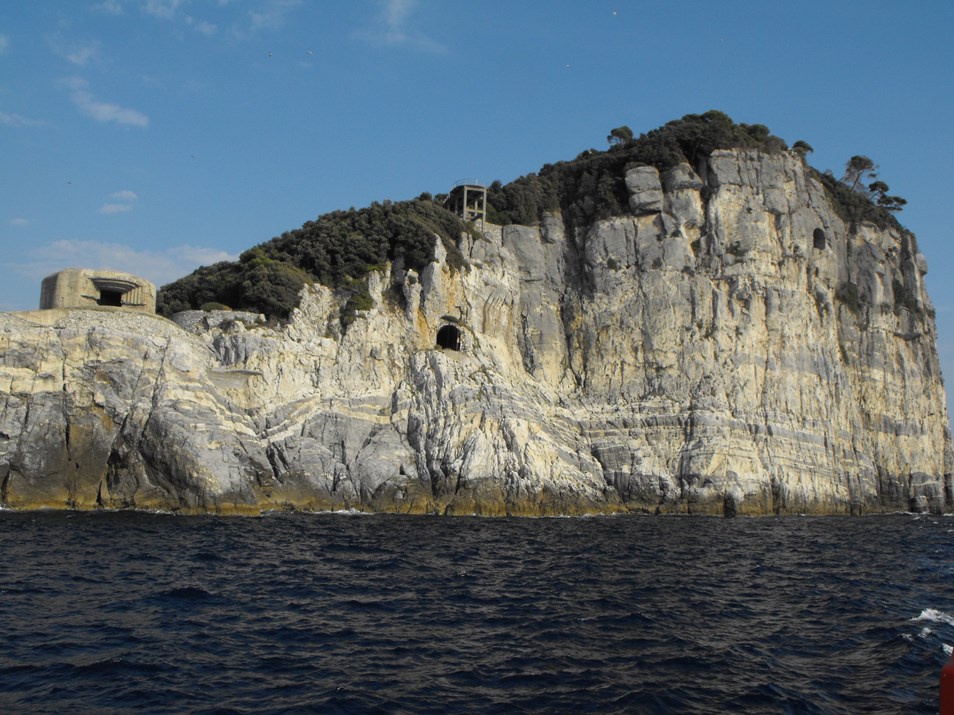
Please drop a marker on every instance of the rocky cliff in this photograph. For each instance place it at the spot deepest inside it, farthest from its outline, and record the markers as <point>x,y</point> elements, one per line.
<point>730,345</point>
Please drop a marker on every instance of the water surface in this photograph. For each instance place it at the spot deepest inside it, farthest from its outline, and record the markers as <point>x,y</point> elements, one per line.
<point>289,613</point>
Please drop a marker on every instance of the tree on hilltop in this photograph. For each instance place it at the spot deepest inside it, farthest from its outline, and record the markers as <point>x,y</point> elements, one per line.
<point>802,148</point>
<point>878,192</point>
<point>859,167</point>
<point>620,136</point>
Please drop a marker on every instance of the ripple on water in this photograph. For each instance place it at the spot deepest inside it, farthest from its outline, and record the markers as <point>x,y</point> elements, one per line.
<point>124,612</point>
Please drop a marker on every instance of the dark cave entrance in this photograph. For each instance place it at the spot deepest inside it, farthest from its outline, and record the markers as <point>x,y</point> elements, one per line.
<point>819,239</point>
<point>448,337</point>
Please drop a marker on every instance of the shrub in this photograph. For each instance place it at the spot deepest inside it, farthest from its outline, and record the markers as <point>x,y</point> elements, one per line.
<point>359,300</point>
<point>273,288</point>
<point>847,294</point>
<point>336,248</point>
<point>220,283</point>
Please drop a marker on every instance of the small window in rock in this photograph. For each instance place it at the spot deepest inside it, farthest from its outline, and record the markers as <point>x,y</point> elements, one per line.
<point>820,239</point>
<point>448,337</point>
<point>111,297</point>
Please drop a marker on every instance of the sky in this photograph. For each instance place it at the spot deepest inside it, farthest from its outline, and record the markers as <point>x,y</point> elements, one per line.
<point>155,136</point>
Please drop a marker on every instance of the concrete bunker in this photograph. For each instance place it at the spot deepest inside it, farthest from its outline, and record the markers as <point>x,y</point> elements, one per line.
<point>819,239</point>
<point>87,288</point>
<point>448,337</point>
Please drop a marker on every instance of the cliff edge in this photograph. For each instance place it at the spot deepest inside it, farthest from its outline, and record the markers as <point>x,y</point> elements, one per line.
<point>730,345</point>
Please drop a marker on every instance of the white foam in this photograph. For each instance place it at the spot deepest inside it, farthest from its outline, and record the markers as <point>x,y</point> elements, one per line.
<point>346,512</point>
<point>948,650</point>
<point>322,512</point>
<point>935,616</point>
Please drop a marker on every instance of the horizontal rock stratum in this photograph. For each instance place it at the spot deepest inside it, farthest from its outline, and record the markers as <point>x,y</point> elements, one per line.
<point>729,346</point>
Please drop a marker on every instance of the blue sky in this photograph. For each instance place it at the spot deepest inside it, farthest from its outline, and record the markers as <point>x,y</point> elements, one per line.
<point>154,136</point>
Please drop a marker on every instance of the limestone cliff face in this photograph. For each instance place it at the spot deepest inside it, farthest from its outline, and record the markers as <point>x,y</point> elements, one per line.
<point>731,346</point>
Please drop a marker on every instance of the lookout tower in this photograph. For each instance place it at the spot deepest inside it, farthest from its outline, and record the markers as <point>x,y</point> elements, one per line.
<point>85,288</point>
<point>468,199</point>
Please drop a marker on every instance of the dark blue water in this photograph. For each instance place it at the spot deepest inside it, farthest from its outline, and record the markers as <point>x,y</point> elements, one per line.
<point>293,613</point>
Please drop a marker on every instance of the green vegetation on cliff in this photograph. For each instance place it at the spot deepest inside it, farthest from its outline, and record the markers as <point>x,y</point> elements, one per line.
<point>855,206</point>
<point>340,248</point>
<point>593,185</point>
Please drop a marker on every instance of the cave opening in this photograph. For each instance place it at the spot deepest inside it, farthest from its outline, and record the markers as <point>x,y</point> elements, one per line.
<point>819,239</point>
<point>448,337</point>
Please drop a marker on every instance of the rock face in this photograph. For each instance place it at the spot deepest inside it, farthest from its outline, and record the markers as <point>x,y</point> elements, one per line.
<point>732,346</point>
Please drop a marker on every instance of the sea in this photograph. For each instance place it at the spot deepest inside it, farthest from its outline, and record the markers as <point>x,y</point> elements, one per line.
<point>351,613</point>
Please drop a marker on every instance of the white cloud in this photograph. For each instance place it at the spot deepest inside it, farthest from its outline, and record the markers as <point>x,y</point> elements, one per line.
<point>19,222</point>
<point>16,120</point>
<point>120,202</point>
<point>160,267</point>
<point>394,27</point>
<point>4,44</point>
<point>102,111</point>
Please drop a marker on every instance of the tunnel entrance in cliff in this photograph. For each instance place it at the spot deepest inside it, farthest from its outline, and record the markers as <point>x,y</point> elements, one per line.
<point>448,337</point>
<point>819,240</point>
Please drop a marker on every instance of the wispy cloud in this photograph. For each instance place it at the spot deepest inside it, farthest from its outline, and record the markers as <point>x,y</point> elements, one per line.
<point>4,44</point>
<point>166,9</point>
<point>119,202</point>
<point>160,267</point>
<point>19,222</point>
<point>175,11</point>
<point>395,26</point>
<point>79,53</point>
<point>115,208</point>
<point>110,7</point>
<point>102,111</point>
<point>8,119</point>
<point>206,28</point>
<point>272,15</point>
<point>262,15</point>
